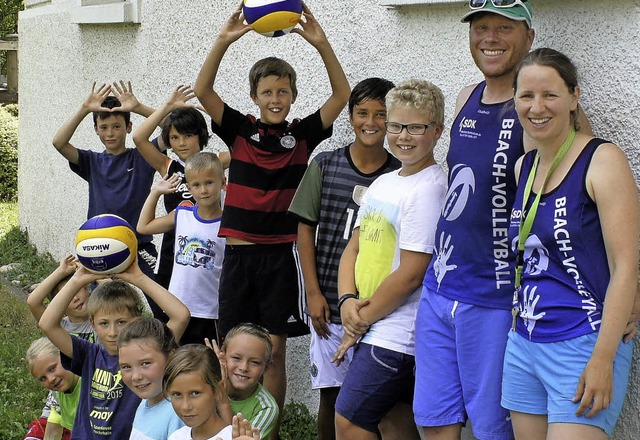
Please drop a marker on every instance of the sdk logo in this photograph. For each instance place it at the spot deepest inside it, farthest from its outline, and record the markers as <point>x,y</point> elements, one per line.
<point>467,123</point>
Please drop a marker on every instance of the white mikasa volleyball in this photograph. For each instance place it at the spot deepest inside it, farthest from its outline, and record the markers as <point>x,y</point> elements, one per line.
<point>106,244</point>
<point>272,18</point>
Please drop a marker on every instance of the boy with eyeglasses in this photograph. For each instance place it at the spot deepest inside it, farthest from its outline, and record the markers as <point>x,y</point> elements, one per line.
<point>382,267</point>
<point>465,310</point>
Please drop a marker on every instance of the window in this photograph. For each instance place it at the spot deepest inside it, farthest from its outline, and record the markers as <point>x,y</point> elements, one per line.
<point>106,11</point>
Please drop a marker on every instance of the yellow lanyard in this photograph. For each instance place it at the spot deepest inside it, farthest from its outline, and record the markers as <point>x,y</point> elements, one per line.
<point>526,221</point>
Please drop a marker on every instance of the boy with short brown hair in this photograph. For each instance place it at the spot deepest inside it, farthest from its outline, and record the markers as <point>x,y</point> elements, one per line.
<point>260,279</point>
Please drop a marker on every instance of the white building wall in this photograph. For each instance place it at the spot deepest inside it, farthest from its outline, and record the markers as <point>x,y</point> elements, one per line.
<point>59,60</point>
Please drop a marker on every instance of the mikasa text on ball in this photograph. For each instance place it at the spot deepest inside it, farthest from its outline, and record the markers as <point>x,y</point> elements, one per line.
<point>106,244</point>
<point>272,18</point>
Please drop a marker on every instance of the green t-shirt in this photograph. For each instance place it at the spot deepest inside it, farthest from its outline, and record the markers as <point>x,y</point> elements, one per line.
<point>260,409</point>
<point>68,405</point>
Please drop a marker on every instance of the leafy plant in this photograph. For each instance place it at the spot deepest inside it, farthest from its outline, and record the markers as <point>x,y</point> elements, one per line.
<point>8,155</point>
<point>298,423</point>
<point>8,216</point>
<point>16,248</point>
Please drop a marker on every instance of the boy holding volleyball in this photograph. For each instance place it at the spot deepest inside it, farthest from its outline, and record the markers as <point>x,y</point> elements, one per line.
<point>260,278</point>
<point>119,178</point>
<point>107,407</point>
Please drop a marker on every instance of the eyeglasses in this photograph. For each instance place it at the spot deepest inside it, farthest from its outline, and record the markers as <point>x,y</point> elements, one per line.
<point>479,4</point>
<point>412,129</point>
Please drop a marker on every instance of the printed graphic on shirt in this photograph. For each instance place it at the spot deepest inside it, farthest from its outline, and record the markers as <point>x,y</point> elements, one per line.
<point>536,264</point>
<point>462,188</point>
<point>195,252</point>
<point>106,388</point>
<point>441,264</point>
<point>536,256</point>
<point>378,239</point>
<point>182,188</point>
<point>106,385</point>
<point>358,194</point>
<point>565,246</point>
<point>463,185</point>
<point>528,309</point>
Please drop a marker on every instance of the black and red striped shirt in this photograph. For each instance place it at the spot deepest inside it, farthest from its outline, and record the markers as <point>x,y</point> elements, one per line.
<point>267,164</point>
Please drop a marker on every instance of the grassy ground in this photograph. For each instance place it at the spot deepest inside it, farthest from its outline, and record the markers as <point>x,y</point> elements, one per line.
<point>8,216</point>
<point>21,397</point>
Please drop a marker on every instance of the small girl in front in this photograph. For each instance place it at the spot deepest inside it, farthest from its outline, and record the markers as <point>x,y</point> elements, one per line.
<point>192,383</point>
<point>144,346</point>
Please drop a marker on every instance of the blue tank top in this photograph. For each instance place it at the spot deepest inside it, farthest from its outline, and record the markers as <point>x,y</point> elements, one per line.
<point>473,262</point>
<point>566,273</point>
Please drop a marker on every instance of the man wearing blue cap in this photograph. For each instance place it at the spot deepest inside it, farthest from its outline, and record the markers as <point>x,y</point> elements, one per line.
<point>465,309</point>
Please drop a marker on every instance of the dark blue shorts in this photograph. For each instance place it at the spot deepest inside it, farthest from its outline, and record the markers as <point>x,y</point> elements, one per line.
<point>377,379</point>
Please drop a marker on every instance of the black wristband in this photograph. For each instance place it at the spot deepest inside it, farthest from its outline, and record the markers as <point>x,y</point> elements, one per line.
<point>345,297</point>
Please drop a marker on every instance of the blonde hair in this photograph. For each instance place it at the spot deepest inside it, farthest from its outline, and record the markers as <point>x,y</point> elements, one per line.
<point>419,94</point>
<point>254,330</point>
<point>201,161</point>
<point>114,296</point>
<point>193,358</point>
<point>40,347</point>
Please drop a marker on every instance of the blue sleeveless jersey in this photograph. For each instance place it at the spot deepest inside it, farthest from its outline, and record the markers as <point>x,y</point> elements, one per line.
<point>473,262</point>
<point>566,273</point>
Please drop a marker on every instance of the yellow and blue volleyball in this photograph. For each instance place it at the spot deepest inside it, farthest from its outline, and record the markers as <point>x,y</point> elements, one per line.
<point>272,18</point>
<point>106,244</point>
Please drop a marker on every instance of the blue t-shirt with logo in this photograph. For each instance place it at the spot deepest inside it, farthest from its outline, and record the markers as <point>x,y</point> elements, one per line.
<point>107,407</point>
<point>118,184</point>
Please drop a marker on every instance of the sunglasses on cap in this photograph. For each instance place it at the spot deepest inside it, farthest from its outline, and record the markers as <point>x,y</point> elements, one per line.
<point>479,4</point>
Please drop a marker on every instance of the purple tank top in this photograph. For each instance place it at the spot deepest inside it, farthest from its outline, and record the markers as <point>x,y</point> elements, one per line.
<point>566,273</point>
<point>473,262</point>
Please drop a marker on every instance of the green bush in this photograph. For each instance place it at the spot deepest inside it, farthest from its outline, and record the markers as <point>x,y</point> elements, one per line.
<point>8,153</point>
<point>298,423</point>
<point>12,109</point>
<point>16,248</point>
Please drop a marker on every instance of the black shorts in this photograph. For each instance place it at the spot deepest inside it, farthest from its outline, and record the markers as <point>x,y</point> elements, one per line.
<point>263,284</point>
<point>198,329</point>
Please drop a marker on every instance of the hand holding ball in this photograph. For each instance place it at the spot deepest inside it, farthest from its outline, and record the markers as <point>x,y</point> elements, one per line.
<point>272,18</point>
<point>106,244</point>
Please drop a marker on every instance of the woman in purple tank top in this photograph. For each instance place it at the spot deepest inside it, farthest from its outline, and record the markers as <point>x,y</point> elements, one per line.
<point>575,227</point>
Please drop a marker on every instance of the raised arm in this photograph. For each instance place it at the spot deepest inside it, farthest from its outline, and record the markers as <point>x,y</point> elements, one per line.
<point>53,314</point>
<point>233,29</point>
<point>93,103</point>
<point>311,31</point>
<point>124,92</point>
<point>141,136</point>
<point>147,222</point>
<point>35,301</point>
<point>176,311</point>
<point>611,184</point>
